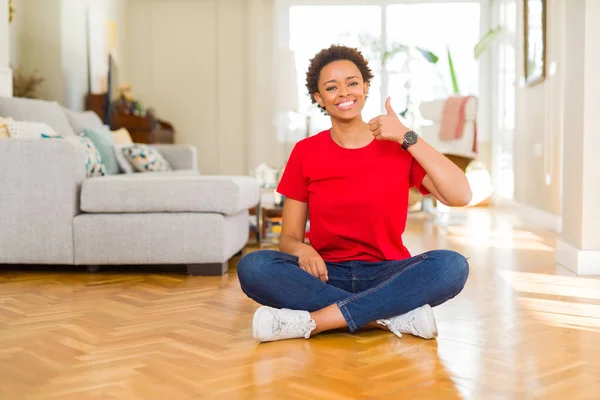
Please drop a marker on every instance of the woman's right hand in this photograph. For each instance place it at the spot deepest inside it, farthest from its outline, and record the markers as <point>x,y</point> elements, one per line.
<point>291,240</point>
<point>310,261</point>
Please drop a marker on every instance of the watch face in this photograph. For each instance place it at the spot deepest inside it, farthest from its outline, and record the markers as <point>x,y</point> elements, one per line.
<point>410,138</point>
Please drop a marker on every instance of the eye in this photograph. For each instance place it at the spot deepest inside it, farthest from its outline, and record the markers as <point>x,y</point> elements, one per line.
<point>330,88</point>
<point>353,83</point>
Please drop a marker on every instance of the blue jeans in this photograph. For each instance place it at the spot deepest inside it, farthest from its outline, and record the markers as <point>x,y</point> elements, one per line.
<point>363,291</point>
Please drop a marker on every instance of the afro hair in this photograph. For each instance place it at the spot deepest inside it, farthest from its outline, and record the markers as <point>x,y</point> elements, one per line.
<point>329,55</point>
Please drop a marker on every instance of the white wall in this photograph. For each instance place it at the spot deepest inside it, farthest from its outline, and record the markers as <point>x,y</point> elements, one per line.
<point>582,137</point>
<point>578,247</point>
<point>574,117</point>
<point>591,141</point>
<point>35,43</point>
<point>5,72</point>
<point>51,36</point>
<point>3,34</point>
<point>539,113</point>
<point>205,66</point>
<point>75,48</point>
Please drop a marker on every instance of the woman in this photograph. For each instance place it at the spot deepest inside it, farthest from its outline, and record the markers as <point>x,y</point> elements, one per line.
<point>355,179</point>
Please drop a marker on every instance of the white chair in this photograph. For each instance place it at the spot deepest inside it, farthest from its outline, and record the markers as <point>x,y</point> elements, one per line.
<point>463,147</point>
<point>460,151</point>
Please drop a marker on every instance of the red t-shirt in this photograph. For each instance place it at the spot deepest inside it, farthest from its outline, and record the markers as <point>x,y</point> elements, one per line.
<point>357,198</point>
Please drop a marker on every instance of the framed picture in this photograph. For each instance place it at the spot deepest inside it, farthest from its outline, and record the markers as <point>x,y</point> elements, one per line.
<point>535,41</point>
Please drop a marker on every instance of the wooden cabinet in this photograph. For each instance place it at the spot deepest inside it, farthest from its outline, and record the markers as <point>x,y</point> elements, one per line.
<point>143,129</point>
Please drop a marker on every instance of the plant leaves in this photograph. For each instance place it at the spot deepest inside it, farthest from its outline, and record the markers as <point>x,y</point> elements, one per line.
<point>396,48</point>
<point>428,55</point>
<point>452,73</point>
<point>487,39</point>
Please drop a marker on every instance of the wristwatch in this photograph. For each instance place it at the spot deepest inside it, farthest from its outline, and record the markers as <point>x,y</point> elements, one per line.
<point>410,138</point>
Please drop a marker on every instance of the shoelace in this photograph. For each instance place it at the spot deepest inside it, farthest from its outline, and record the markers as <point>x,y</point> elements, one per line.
<point>399,324</point>
<point>405,324</point>
<point>390,326</point>
<point>291,326</point>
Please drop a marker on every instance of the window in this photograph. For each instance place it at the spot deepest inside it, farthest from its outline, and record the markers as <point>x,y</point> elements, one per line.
<point>407,77</point>
<point>313,28</point>
<point>433,27</point>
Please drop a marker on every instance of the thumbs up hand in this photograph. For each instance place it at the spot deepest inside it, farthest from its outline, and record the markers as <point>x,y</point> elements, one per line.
<point>388,126</point>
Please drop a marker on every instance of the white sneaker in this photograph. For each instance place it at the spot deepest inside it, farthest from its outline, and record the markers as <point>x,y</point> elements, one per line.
<point>419,322</point>
<point>270,324</point>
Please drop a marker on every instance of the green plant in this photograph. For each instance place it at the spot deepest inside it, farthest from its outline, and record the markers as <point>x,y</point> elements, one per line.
<point>397,48</point>
<point>484,43</point>
<point>452,72</point>
<point>373,45</point>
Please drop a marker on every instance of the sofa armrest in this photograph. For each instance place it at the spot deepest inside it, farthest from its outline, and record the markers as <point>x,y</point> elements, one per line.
<point>180,156</point>
<point>39,197</point>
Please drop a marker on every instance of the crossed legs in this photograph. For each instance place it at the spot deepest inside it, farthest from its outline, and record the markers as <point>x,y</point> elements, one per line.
<point>273,279</point>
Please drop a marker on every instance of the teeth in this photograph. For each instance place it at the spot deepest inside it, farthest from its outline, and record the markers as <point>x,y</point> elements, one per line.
<point>346,104</point>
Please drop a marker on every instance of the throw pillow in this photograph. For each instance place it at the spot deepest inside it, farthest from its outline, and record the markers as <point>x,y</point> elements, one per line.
<point>105,144</point>
<point>28,130</point>
<point>124,165</point>
<point>146,158</point>
<point>93,160</point>
<point>122,136</point>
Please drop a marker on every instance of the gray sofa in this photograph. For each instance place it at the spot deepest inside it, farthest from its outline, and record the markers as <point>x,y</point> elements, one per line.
<point>50,213</point>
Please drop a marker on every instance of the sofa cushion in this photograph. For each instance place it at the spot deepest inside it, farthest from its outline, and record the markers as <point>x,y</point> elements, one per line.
<point>158,238</point>
<point>176,191</point>
<point>48,112</point>
<point>82,120</point>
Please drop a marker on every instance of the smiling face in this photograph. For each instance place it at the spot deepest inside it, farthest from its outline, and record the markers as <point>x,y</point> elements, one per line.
<point>342,90</point>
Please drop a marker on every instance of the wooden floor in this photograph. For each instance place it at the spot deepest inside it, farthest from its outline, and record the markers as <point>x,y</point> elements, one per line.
<point>521,329</point>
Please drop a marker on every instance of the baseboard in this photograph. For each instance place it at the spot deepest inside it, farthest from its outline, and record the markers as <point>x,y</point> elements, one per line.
<point>6,86</point>
<point>540,218</point>
<point>581,262</point>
